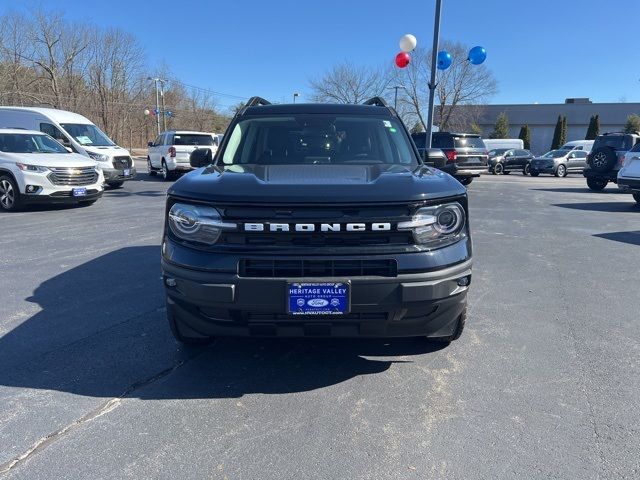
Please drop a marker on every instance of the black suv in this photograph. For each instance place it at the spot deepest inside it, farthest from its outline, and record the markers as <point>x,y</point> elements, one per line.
<point>606,158</point>
<point>316,220</point>
<point>466,153</point>
<point>506,160</point>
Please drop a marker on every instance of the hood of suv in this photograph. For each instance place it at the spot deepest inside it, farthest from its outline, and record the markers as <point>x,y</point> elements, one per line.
<point>51,159</point>
<point>316,184</point>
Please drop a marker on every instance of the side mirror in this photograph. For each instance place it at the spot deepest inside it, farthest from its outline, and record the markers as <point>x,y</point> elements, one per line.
<point>149,144</point>
<point>201,157</point>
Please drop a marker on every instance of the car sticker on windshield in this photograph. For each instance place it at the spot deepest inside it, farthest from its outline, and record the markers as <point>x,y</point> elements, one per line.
<point>84,140</point>
<point>386,123</point>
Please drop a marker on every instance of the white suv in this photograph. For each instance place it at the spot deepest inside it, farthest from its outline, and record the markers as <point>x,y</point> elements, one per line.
<point>629,174</point>
<point>170,151</point>
<point>35,168</point>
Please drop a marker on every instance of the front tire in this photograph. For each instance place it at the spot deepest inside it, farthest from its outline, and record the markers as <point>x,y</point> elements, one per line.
<point>458,331</point>
<point>561,171</point>
<point>526,170</point>
<point>10,198</point>
<point>596,185</point>
<point>498,169</point>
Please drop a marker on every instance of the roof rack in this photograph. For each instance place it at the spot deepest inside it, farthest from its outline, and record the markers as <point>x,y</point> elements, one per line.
<point>253,101</point>
<point>377,101</point>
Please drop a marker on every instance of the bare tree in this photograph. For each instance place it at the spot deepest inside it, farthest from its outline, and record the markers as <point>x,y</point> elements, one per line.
<point>461,84</point>
<point>347,83</point>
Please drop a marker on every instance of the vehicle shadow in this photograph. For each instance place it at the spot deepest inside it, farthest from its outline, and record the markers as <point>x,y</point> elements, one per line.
<point>102,332</point>
<point>578,190</point>
<point>632,238</point>
<point>601,206</point>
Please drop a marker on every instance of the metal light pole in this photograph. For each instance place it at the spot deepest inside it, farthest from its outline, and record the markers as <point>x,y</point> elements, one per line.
<point>155,82</point>
<point>164,113</point>
<point>432,82</point>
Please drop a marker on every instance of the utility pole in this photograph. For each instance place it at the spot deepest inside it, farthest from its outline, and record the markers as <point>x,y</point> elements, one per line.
<point>434,61</point>
<point>155,82</point>
<point>164,113</point>
<point>395,98</point>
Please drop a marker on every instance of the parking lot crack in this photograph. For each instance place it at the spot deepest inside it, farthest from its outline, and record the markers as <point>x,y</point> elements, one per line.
<point>103,409</point>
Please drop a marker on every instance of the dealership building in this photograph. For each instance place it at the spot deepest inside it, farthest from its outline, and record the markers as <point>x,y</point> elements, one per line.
<point>542,119</point>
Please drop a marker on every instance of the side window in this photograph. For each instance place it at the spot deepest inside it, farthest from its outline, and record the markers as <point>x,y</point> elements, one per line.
<point>168,139</point>
<point>522,153</point>
<point>581,154</point>
<point>508,153</point>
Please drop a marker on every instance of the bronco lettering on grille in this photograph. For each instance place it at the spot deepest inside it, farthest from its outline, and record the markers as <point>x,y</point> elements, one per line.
<point>317,227</point>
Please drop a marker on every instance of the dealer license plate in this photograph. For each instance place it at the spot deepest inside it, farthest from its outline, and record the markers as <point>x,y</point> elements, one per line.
<point>79,192</point>
<point>322,298</point>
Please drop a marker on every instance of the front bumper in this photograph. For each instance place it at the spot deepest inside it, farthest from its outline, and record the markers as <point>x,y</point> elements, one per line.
<point>225,304</point>
<point>62,197</point>
<point>119,175</point>
<point>551,169</point>
<point>629,184</point>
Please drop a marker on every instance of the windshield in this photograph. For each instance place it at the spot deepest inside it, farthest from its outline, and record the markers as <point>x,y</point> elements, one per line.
<point>27,143</point>
<point>87,135</point>
<point>555,154</point>
<point>191,139</point>
<point>497,151</point>
<point>315,139</point>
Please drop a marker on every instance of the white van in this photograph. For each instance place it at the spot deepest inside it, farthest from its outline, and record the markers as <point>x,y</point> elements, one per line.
<point>78,135</point>
<point>585,145</point>
<point>493,143</point>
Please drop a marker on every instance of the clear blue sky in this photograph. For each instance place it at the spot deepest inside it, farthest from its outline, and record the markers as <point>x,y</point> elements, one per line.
<point>539,50</point>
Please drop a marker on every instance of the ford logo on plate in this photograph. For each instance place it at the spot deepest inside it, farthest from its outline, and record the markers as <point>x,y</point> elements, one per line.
<point>317,302</point>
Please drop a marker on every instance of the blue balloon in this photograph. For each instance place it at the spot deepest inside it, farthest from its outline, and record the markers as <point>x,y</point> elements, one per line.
<point>477,55</point>
<point>444,60</point>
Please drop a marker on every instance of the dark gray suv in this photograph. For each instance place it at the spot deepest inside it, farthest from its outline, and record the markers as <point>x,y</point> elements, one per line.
<point>607,157</point>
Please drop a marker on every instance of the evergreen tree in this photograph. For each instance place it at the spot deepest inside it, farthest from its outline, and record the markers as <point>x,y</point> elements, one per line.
<point>475,128</point>
<point>501,127</point>
<point>563,131</point>
<point>555,143</point>
<point>633,124</point>
<point>525,136</point>
<point>594,128</point>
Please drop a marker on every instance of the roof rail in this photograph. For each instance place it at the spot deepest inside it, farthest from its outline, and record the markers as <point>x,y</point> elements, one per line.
<point>253,101</point>
<point>377,101</point>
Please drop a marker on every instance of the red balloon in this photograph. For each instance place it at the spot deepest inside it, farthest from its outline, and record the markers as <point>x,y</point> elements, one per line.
<point>403,59</point>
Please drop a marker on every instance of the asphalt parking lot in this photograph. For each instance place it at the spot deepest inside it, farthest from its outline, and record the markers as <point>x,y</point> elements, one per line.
<point>543,384</point>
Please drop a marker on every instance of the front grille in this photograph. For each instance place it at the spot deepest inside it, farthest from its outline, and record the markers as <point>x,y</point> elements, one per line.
<point>333,239</point>
<point>73,176</point>
<point>120,163</point>
<point>317,268</point>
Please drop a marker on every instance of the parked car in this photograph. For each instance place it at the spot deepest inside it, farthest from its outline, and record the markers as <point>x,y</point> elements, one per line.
<point>559,163</point>
<point>495,143</point>
<point>169,153</point>
<point>585,145</point>
<point>78,134</point>
<point>606,158</point>
<point>466,153</point>
<point>507,160</point>
<point>35,168</point>
<point>328,226</point>
<point>629,174</point>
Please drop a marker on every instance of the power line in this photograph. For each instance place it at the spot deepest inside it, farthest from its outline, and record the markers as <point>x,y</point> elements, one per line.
<point>206,90</point>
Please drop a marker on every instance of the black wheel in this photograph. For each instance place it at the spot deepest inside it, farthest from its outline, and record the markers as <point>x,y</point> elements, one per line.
<point>174,325</point>
<point>636,197</point>
<point>10,199</point>
<point>166,174</point>
<point>527,169</point>
<point>535,174</point>
<point>561,171</point>
<point>458,331</point>
<point>602,159</point>
<point>150,169</point>
<point>115,184</point>
<point>466,180</point>
<point>506,172</point>
<point>596,185</point>
<point>498,169</point>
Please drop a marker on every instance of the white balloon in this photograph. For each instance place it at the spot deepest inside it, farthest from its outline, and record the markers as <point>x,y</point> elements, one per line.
<point>146,111</point>
<point>408,43</point>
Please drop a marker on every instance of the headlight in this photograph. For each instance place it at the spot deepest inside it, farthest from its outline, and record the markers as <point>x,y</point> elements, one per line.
<point>31,168</point>
<point>437,226</point>
<point>197,223</point>
<point>100,157</point>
